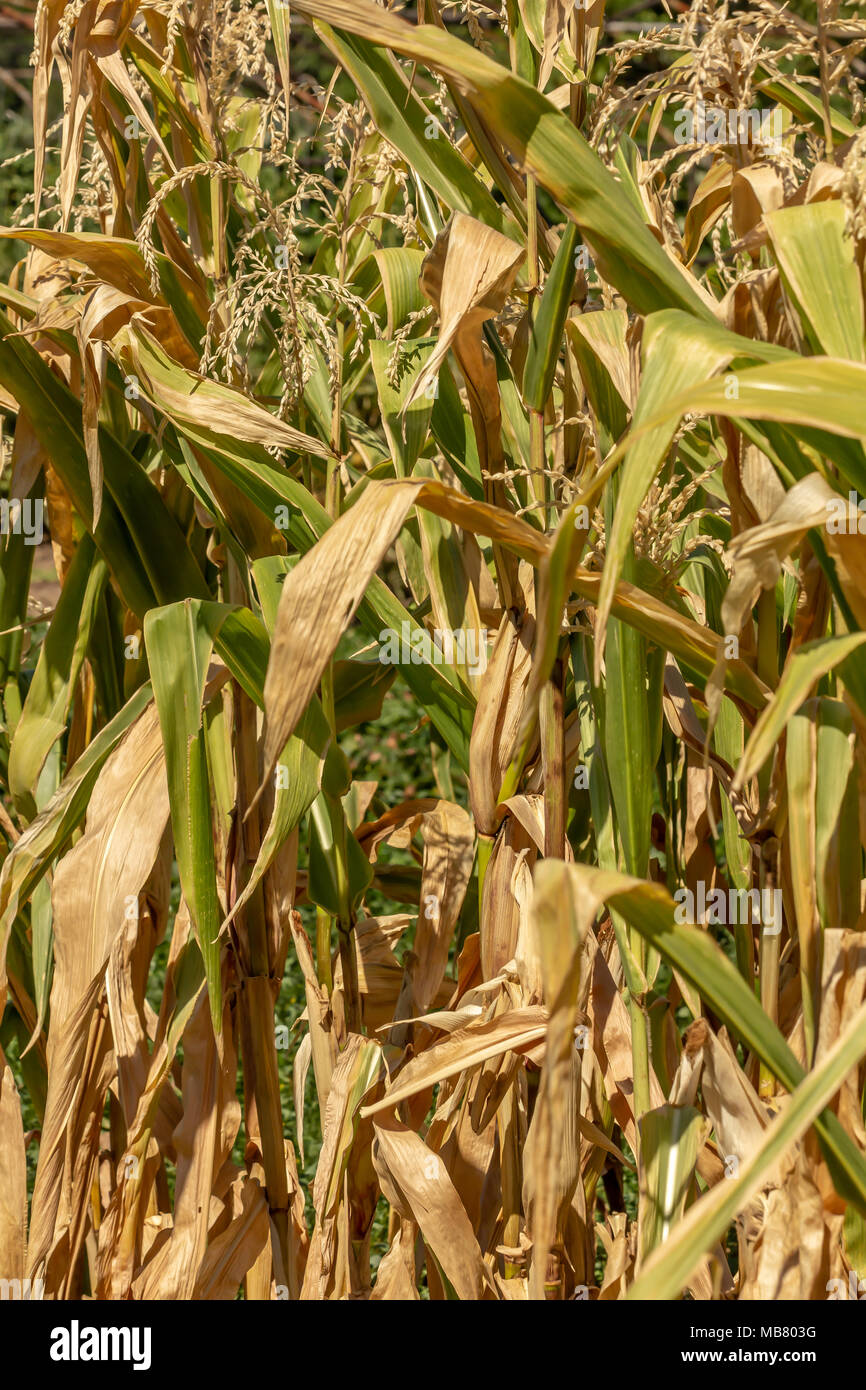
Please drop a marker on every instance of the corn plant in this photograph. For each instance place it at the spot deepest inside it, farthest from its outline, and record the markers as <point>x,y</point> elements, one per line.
<point>517,369</point>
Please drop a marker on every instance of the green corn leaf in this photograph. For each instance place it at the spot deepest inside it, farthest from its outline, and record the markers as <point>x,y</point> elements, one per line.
<point>649,909</point>
<point>178,649</point>
<point>803,671</point>
<point>671,1137</point>
<point>543,141</point>
<point>821,276</point>
<point>667,1271</point>
<point>43,718</point>
<point>545,333</point>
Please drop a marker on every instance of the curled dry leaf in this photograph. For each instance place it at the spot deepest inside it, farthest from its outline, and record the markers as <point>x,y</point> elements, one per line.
<point>95,892</point>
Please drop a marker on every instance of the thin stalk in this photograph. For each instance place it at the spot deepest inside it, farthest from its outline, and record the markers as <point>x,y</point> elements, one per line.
<point>323,950</point>
<point>262,1085</point>
<point>345,919</point>
<point>485,849</point>
<point>89,696</point>
<point>770,946</point>
<point>577,90</point>
<point>628,943</point>
<point>532,235</point>
<point>342,261</point>
<point>536,417</point>
<point>744,943</point>
<point>537,457</point>
<point>553,765</point>
<point>512,1177</point>
<point>825,86</point>
<point>769,966</point>
<point>768,639</point>
<point>333,504</point>
<point>768,951</point>
<point>640,1050</point>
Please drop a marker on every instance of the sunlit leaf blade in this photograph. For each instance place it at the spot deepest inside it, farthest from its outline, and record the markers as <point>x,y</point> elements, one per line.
<point>666,1272</point>
<point>179,648</point>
